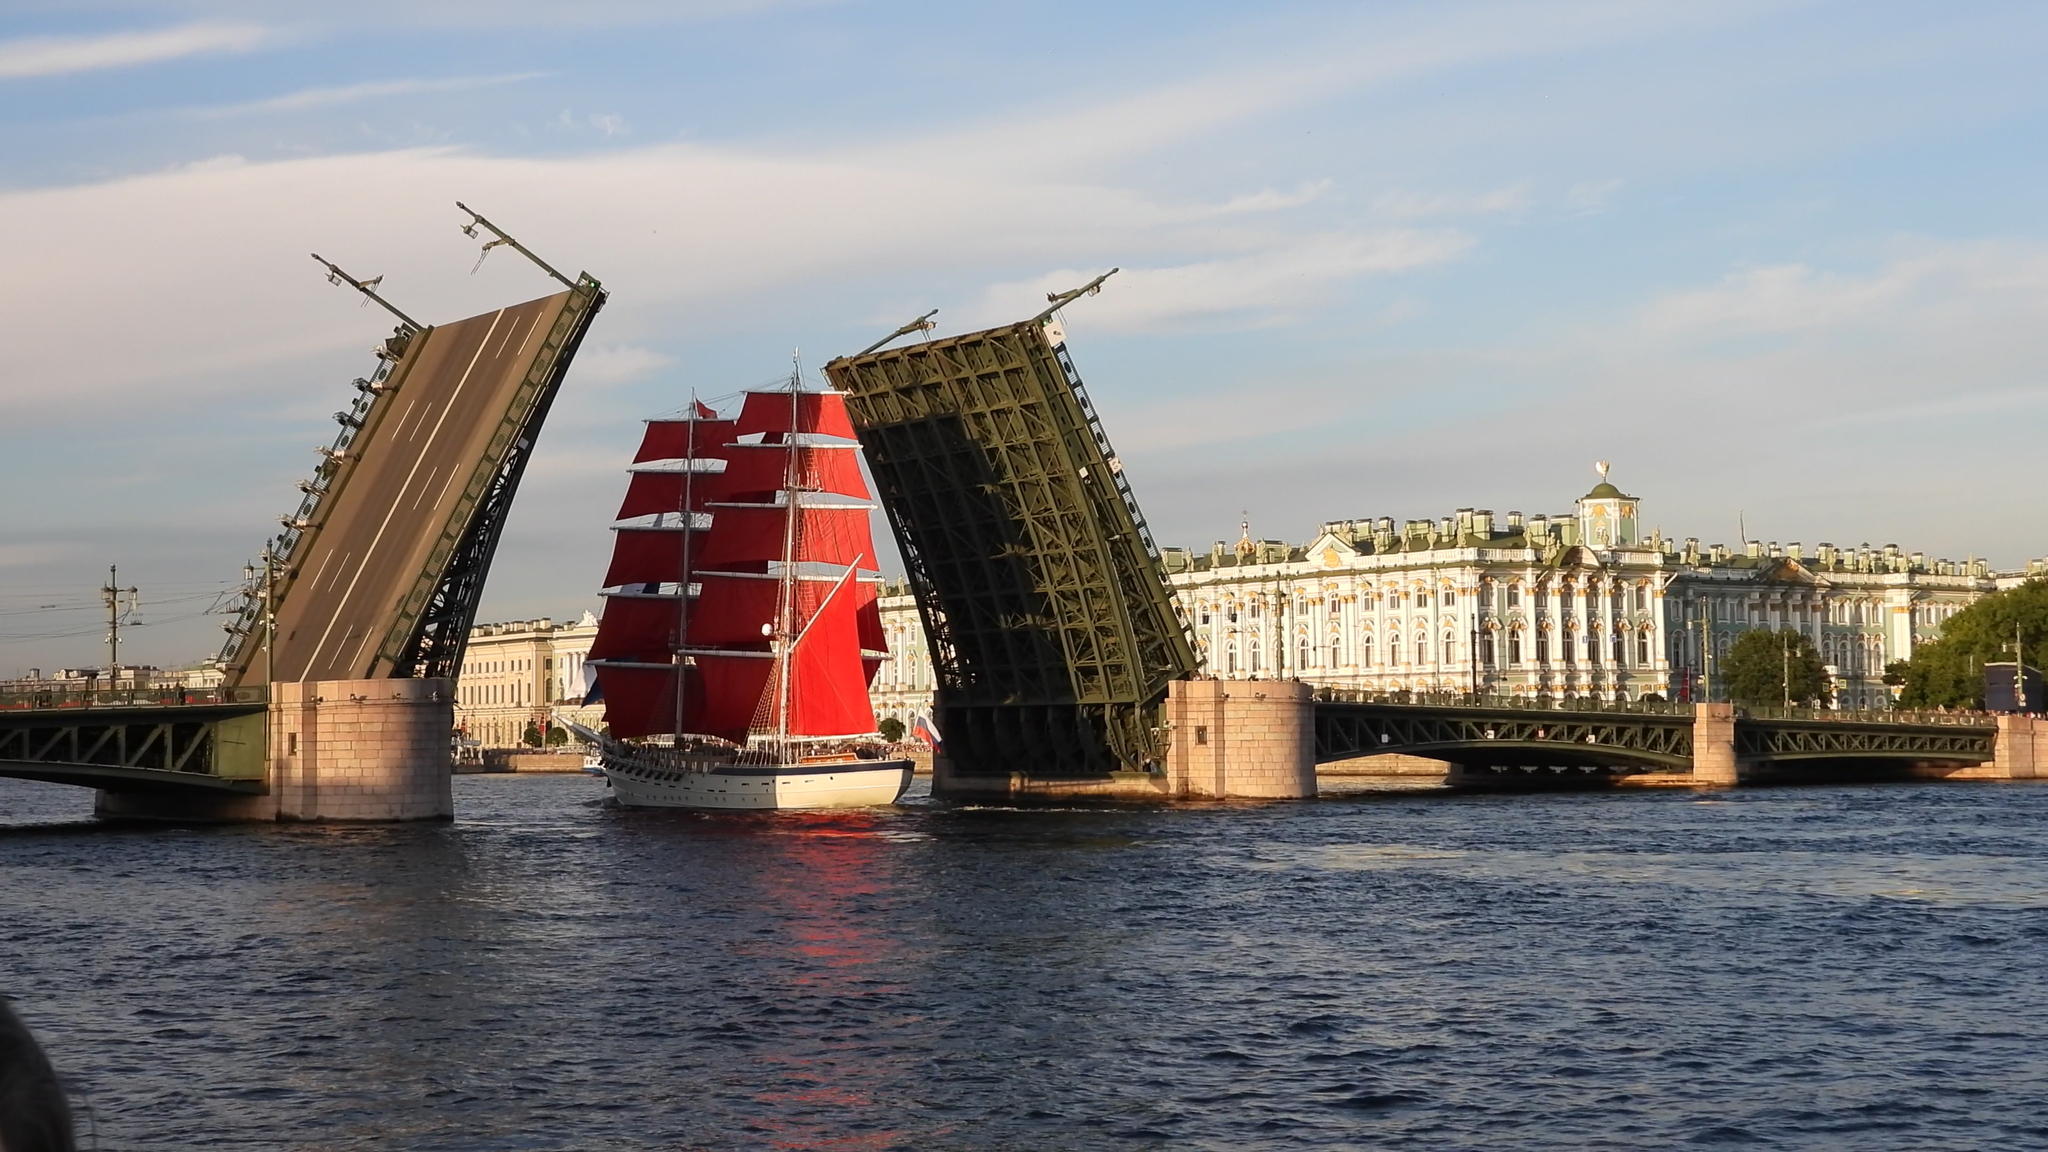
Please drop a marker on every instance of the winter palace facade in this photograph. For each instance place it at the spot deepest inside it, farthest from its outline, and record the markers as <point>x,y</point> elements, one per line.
<point>1576,605</point>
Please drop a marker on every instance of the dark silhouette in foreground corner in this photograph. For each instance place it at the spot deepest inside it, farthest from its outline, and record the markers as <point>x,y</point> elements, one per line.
<point>34,1116</point>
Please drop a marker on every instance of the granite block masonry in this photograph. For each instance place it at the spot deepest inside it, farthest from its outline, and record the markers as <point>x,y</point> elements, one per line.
<point>363,751</point>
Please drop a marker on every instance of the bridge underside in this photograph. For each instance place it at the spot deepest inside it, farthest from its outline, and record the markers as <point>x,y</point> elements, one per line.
<point>1485,738</point>
<point>201,748</point>
<point>1511,746</point>
<point>1053,634</point>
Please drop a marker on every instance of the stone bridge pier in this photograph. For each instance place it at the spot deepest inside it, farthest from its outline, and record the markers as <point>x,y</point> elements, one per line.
<point>1241,739</point>
<point>337,750</point>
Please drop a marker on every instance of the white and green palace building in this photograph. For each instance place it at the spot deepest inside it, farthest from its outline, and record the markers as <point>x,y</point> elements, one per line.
<point>1577,605</point>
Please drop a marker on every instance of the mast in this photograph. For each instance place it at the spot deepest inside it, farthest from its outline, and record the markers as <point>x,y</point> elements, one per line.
<point>785,600</point>
<point>682,632</point>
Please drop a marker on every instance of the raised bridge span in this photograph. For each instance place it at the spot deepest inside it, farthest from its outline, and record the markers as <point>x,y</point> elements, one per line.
<point>339,669</point>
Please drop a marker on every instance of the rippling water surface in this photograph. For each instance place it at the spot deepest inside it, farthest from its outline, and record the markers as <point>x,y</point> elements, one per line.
<point>1846,968</point>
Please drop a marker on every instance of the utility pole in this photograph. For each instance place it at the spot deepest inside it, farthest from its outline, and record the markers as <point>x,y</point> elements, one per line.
<point>1785,649</point>
<point>1475,647</point>
<point>112,594</point>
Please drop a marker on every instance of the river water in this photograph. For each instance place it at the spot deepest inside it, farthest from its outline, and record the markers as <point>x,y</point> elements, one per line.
<point>1810,968</point>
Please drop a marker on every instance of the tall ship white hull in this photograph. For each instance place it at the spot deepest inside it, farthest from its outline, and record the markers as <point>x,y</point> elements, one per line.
<point>739,787</point>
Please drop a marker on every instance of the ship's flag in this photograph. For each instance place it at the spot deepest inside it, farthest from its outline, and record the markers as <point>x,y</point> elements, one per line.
<point>922,731</point>
<point>593,692</point>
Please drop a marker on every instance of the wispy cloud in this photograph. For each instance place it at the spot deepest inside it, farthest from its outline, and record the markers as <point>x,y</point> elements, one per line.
<point>1934,287</point>
<point>306,99</point>
<point>57,55</point>
<point>1401,205</point>
<point>619,364</point>
<point>1254,289</point>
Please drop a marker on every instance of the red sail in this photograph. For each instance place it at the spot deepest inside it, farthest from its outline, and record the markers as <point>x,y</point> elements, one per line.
<point>648,493</point>
<point>828,690</point>
<point>733,610</point>
<point>638,701</point>
<point>756,469</point>
<point>642,628</point>
<point>744,534</point>
<point>868,616</point>
<point>650,556</point>
<point>731,688</point>
<point>684,439</point>
<point>731,695</point>
<point>772,412</point>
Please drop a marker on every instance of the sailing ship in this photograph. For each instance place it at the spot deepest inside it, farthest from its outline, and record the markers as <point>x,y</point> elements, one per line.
<point>741,627</point>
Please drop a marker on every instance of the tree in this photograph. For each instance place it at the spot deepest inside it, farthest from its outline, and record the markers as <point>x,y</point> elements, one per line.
<point>1763,666</point>
<point>531,738</point>
<point>557,736</point>
<point>891,730</point>
<point>1949,672</point>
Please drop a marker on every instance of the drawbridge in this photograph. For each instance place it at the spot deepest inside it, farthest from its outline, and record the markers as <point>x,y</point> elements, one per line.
<point>1053,633</point>
<point>376,574</point>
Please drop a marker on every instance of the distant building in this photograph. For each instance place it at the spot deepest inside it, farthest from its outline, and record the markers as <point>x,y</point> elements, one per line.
<point>1580,605</point>
<point>516,673</point>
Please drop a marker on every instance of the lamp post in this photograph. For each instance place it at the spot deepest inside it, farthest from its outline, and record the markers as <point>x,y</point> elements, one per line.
<point>1706,640</point>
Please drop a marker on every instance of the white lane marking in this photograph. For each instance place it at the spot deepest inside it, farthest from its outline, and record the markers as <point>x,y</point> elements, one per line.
<point>345,558</point>
<point>315,582</point>
<point>439,500</point>
<point>313,660</point>
<point>429,484</point>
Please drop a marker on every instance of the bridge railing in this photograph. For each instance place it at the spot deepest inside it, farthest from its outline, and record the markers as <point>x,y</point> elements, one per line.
<point>38,699</point>
<point>1870,716</point>
<point>1504,702</point>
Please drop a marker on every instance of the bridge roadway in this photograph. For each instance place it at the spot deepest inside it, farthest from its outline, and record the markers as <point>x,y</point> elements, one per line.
<point>418,457</point>
<point>1496,736</point>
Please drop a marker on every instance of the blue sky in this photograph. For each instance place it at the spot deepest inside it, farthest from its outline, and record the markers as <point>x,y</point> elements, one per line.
<point>1782,261</point>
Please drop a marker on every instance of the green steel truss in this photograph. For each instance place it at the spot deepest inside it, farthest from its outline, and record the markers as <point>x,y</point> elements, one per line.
<point>1053,633</point>
<point>206,747</point>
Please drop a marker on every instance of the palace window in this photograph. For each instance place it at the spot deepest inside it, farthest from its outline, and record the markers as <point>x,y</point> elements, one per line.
<point>1230,660</point>
<point>1620,649</point>
<point>1514,649</point>
<point>1486,649</point>
<point>1422,649</point>
<point>1393,648</point>
<point>1643,648</point>
<point>1256,653</point>
<point>1450,649</point>
<point>1205,614</point>
<point>1543,648</point>
<point>1450,597</point>
<point>1302,653</point>
<point>1365,651</point>
<point>1336,652</point>
<point>1514,595</point>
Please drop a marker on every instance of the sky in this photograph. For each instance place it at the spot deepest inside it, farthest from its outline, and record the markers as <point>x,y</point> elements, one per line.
<point>1783,264</point>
